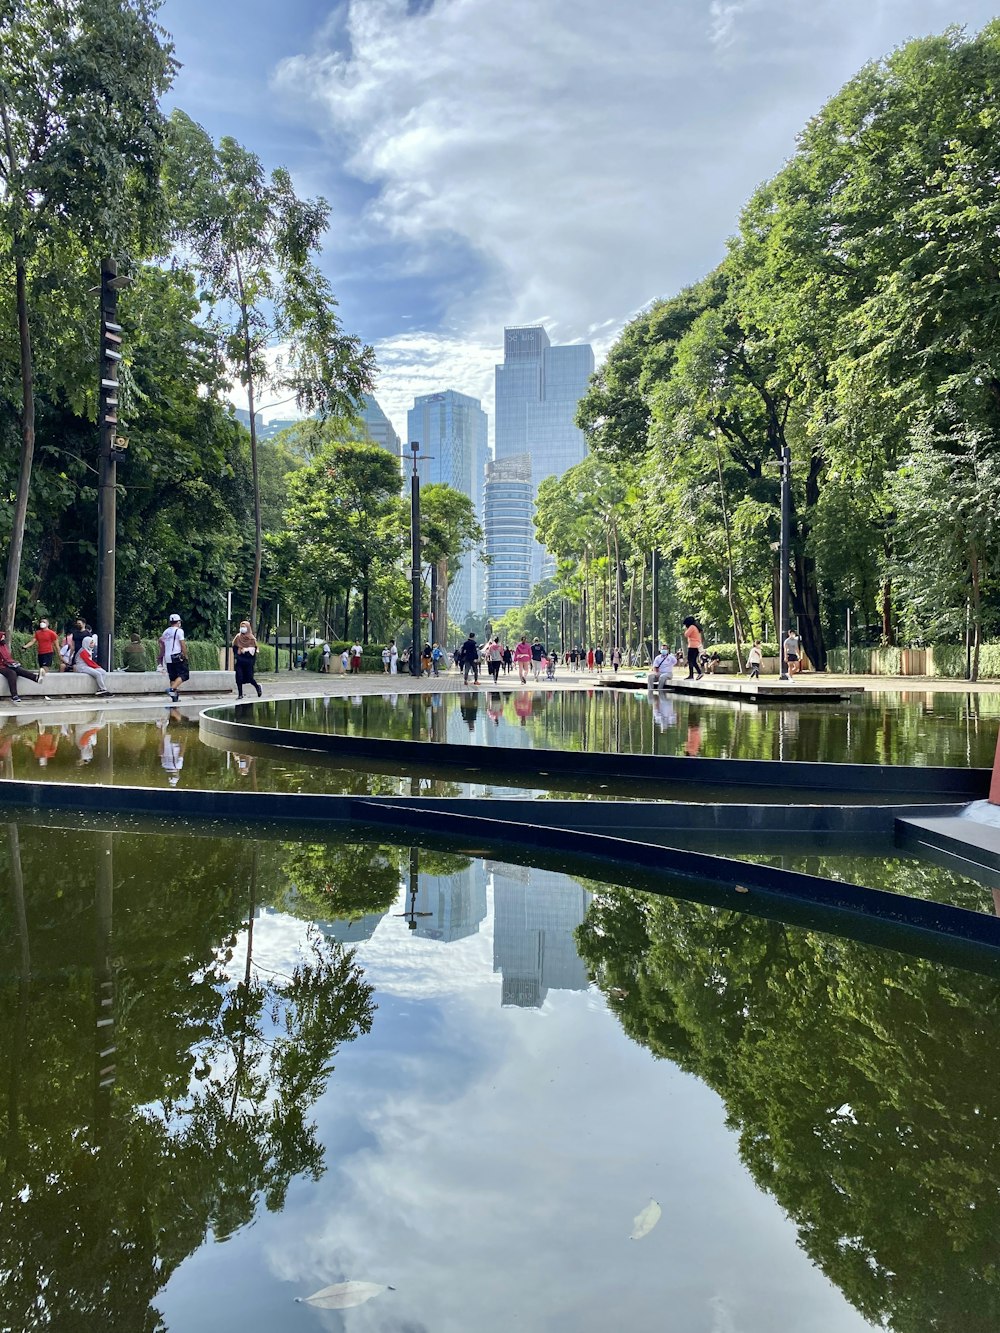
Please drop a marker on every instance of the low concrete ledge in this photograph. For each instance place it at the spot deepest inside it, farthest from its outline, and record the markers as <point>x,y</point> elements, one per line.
<point>74,684</point>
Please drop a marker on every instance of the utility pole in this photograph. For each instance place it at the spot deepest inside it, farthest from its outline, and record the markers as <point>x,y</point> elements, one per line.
<point>112,447</point>
<point>785,552</point>
<point>415,561</point>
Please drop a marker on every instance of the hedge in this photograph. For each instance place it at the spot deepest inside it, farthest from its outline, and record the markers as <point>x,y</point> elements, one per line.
<point>727,651</point>
<point>202,656</point>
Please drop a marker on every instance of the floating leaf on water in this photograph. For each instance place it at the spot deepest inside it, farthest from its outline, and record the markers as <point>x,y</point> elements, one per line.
<point>342,1295</point>
<point>646,1220</point>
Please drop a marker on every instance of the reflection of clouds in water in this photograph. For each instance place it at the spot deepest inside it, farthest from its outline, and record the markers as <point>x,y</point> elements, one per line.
<point>488,1164</point>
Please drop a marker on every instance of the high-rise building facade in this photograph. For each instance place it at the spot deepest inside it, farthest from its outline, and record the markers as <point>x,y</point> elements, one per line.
<point>508,513</point>
<point>453,435</point>
<point>378,427</point>
<point>538,388</point>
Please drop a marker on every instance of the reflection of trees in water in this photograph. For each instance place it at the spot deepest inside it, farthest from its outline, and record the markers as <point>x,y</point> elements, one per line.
<point>107,1185</point>
<point>865,1088</point>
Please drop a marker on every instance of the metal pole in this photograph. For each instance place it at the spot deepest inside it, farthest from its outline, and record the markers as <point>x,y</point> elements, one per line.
<point>277,640</point>
<point>229,626</point>
<point>110,444</point>
<point>415,561</point>
<point>655,579</point>
<point>848,640</point>
<point>785,552</point>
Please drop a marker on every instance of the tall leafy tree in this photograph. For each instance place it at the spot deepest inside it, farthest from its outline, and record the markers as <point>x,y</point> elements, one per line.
<point>257,243</point>
<point>81,139</point>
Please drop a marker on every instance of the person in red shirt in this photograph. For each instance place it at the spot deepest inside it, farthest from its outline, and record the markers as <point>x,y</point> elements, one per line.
<point>45,641</point>
<point>10,670</point>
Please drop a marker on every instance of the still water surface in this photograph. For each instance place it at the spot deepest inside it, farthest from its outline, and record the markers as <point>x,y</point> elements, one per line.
<point>911,727</point>
<point>237,1070</point>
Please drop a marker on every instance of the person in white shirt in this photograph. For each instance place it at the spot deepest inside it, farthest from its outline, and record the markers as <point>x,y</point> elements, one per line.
<point>172,656</point>
<point>663,666</point>
<point>755,660</point>
<point>793,653</point>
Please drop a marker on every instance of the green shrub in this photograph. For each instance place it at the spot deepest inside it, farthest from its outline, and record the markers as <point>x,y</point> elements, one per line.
<point>727,651</point>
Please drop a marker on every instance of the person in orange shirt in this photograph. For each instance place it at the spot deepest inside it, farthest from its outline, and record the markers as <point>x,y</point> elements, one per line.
<point>45,746</point>
<point>692,637</point>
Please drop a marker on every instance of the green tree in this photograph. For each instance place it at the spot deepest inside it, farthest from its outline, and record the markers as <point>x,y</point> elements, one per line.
<point>256,244</point>
<point>80,149</point>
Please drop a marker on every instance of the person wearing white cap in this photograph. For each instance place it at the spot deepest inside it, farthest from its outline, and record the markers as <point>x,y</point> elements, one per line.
<point>172,656</point>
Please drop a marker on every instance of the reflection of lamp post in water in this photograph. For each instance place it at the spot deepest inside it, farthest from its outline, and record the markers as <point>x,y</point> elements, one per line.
<point>411,913</point>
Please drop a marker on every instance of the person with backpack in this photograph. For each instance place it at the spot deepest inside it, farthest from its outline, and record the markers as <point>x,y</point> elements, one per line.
<point>437,657</point>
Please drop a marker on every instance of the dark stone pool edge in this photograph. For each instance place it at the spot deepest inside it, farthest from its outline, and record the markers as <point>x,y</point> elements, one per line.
<point>554,839</point>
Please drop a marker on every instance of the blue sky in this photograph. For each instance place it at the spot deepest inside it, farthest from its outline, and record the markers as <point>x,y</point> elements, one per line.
<point>554,161</point>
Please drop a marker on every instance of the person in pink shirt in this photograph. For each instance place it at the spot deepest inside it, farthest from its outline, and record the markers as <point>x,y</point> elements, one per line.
<point>522,658</point>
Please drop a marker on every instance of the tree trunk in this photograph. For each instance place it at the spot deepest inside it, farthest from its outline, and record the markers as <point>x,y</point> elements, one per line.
<point>9,609</point>
<point>347,614</point>
<point>642,612</point>
<point>737,629</point>
<point>631,606</point>
<point>364,611</point>
<point>977,617</point>
<point>888,628</point>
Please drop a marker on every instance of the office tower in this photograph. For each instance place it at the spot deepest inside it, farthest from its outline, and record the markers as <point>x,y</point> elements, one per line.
<point>538,388</point>
<point>452,431</point>
<point>451,907</point>
<point>378,427</point>
<point>508,513</point>
<point>535,916</point>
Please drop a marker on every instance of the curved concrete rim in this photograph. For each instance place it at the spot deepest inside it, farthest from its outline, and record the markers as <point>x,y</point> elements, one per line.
<point>922,928</point>
<point>906,781</point>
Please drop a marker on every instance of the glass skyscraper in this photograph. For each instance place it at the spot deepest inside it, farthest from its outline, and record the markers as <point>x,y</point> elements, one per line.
<point>508,508</point>
<point>538,388</point>
<point>454,449</point>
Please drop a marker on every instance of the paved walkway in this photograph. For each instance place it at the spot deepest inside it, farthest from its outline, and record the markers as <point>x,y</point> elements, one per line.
<point>308,683</point>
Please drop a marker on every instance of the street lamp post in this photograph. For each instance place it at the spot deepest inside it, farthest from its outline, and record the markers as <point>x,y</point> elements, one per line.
<point>415,561</point>
<point>784,554</point>
<point>112,447</point>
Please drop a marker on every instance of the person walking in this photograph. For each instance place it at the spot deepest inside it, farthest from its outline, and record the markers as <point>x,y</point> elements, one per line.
<point>10,670</point>
<point>537,656</point>
<point>324,658</point>
<point>692,637</point>
<point>355,659</point>
<point>437,657</point>
<point>755,660</point>
<point>84,664</point>
<point>245,659</point>
<point>172,656</point>
<point>494,658</point>
<point>508,659</point>
<point>522,658</point>
<point>616,659</point>
<point>590,659</point>
<point>385,659</point>
<point>393,658</point>
<point>793,653</point>
<point>469,659</point>
<point>426,661</point>
<point>45,641</point>
<point>599,660</point>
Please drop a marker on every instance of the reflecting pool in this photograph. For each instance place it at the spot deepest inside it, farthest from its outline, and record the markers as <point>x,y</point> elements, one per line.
<point>238,1070</point>
<point>911,727</point>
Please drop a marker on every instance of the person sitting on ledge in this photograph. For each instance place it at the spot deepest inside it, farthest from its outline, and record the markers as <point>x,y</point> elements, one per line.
<point>10,670</point>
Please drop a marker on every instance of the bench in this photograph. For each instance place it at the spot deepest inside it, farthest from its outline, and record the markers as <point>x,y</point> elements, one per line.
<point>71,684</point>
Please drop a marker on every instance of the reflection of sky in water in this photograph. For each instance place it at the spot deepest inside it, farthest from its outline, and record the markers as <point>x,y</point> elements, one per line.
<point>487,1161</point>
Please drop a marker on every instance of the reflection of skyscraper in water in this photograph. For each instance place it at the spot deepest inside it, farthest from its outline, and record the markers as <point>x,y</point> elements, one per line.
<point>456,903</point>
<point>535,913</point>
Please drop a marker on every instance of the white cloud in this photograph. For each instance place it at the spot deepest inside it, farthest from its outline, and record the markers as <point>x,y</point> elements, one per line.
<point>589,156</point>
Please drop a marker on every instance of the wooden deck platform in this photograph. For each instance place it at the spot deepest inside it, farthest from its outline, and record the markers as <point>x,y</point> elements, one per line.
<point>800,689</point>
